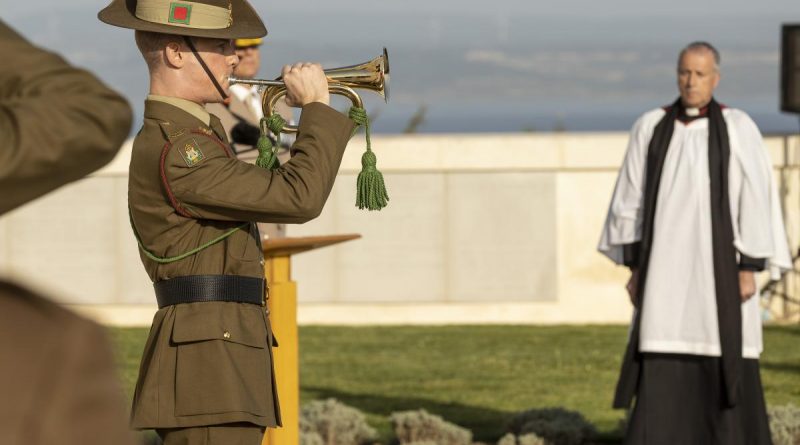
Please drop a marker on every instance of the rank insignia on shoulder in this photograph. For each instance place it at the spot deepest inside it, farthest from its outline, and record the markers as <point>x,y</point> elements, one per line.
<point>191,153</point>
<point>205,131</point>
<point>177,134</point>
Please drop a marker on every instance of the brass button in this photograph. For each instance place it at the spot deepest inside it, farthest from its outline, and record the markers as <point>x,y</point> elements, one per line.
<point>262,261</point>
<point>226,334</point>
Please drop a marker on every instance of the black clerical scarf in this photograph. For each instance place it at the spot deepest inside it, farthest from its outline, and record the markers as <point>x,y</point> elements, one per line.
<point>726,275</point>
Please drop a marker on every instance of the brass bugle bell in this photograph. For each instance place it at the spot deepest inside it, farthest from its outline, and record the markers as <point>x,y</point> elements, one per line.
<point>372,75</point>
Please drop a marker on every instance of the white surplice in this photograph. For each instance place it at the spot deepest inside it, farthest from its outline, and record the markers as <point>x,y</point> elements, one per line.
<point>250,96</point>
<point>679,314</point>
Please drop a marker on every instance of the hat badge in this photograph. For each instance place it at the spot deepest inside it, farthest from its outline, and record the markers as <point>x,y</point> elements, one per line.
<point>180,13</point>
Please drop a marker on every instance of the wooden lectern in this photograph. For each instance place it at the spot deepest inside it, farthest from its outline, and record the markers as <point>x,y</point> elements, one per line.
<point>282,305</point>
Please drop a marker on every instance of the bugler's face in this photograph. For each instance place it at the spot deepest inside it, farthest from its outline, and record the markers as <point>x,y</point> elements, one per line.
<point>249,62</point>
<point>698,77</point>
<point>221,59</point>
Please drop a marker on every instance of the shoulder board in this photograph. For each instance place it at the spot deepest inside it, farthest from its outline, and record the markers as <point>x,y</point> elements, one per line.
<point>204,130</point>
<point>172,132</point>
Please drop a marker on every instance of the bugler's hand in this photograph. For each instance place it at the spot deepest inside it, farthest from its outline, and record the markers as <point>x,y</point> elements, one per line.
<point>305,83</point>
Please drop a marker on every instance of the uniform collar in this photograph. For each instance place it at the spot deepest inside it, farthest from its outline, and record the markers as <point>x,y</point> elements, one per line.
<point>166,111</point>
<point>216,125</point>
<point>188,106</point>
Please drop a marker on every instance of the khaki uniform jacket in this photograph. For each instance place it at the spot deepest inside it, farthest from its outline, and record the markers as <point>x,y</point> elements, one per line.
<point>57,376</point>
<point>228,118</point>
<point>185,189</point>
<point>58,383</point>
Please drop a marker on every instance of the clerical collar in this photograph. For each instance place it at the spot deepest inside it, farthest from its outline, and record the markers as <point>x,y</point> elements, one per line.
<point>689,114</point>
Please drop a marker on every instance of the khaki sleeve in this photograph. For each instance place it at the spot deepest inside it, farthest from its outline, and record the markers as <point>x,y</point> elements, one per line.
<point>57,123</point>
<point>212,185</point>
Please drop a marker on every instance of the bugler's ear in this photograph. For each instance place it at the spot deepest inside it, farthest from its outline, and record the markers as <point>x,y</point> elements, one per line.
<point>173,55</point>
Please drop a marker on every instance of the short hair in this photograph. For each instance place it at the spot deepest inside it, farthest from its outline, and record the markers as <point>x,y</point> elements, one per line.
<point>700,46</point>
<point>151,44</point>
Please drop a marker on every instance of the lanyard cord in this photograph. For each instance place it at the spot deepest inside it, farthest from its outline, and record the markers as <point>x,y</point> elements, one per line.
<point>205,67</point>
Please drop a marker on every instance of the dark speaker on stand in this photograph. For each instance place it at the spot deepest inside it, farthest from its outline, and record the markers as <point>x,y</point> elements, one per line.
<point>790,68</point>
<point>790,103</point>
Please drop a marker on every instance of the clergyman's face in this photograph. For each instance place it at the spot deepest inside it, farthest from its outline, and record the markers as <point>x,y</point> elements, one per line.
<point>249,62</point>
<point>698,77</point>
<point>219,56</point>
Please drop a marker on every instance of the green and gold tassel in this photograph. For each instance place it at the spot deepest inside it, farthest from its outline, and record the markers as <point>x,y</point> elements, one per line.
<point>370,189</point>
<point>267,152</point>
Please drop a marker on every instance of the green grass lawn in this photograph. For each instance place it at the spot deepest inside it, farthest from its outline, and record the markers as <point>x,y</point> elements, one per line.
<point>478,376</point>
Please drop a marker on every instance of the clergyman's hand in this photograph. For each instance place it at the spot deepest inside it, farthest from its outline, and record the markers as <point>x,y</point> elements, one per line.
<point>633,288</point>
<point>747,284</point>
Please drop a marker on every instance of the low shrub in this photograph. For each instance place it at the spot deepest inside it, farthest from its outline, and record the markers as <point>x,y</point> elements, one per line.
<point>556,426</point>
<point>331,422</point>
<point>784,422</point>
<point>420,427</point>
<point>525,439</point>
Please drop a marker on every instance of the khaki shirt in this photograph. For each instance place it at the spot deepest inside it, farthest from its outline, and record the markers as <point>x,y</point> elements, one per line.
<point>185,189</point>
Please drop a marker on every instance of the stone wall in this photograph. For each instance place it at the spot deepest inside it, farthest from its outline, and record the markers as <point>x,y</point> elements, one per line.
<point>483,228</point>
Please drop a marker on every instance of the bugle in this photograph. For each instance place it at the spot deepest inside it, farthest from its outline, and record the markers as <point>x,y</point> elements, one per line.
<point>372,75</point>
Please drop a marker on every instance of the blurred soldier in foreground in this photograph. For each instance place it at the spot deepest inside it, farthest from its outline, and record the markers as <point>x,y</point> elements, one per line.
<point>57,375</point>
<point>206,373</point>
<point>241,115</point>
<point>695,214</point>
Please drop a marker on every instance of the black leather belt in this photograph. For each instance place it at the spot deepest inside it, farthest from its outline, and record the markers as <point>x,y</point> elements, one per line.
<point>201,288</point>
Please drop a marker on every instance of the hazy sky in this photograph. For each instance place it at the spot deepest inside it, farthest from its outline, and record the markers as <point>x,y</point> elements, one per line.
<point>588,8</point>
<point>504,65</point>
